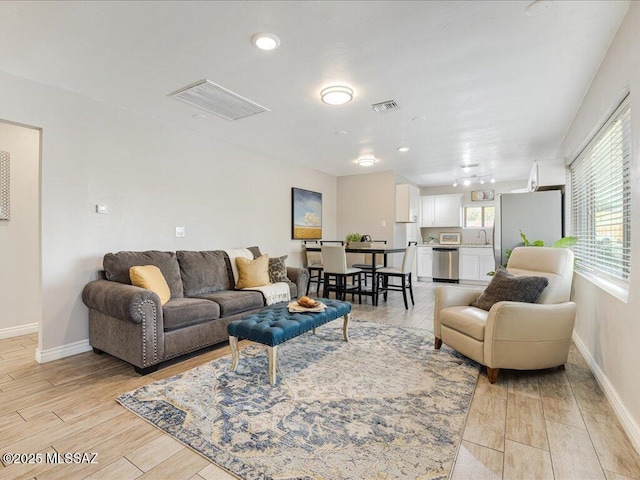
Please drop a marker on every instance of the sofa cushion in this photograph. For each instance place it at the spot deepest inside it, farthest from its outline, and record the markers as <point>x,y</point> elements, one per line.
<point>506,287</point>
<point>252,273</point>
<point>151,278</point>
<point>117,265</point>
<point>255,251</point>
<point>204,272</point>
<point>233,302</point>
<point>183,312</point>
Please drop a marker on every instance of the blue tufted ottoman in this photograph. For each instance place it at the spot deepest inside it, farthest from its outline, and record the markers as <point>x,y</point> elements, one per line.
<point>276,325</point>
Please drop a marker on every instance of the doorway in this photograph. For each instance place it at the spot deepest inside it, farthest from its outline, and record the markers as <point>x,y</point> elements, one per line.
<point>20,235</point>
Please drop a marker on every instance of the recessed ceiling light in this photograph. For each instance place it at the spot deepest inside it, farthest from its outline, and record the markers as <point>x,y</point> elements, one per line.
<point>403,149</point>
<point>455,183</point>
<point>493,180</point>
<point>366,161</point>
<point>418,119</point>
<point>466,182</point>
<point>336,95</point>
<point>199,116</point>
<point>265,41</point>
<point>341,132</point>
<point>537,7</point>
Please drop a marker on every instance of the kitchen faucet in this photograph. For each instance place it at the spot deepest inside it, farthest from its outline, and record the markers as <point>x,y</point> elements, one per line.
<point>482,230</point>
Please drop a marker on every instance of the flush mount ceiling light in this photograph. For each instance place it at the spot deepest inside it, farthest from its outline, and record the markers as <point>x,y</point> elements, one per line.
<point>265,41</point>
<point>366,161</point>
<point>537,7</point>
<point>336,95</point>
<point>403,149</point>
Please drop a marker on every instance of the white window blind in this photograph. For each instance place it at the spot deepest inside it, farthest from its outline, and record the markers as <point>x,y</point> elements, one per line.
<point>601,199</point>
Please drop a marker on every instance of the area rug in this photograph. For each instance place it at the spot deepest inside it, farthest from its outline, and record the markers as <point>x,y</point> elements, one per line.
<point>385,405</point>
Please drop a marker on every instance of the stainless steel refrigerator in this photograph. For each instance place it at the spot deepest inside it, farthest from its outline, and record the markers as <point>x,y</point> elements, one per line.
<point>538,215</point>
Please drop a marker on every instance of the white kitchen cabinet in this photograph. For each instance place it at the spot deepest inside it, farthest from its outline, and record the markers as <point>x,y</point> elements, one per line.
<point>426,211</point>
<point>424,260</point>
<point>487,264</point>
<point>407,203</point>
<point>475,263</point>
<point>441,211</point>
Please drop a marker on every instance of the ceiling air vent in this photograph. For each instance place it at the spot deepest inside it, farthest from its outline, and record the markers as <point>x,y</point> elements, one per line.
<point>215,99</point>
<point>385,107</point>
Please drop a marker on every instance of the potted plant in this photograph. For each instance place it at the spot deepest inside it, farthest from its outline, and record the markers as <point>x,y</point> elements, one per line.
<point>564,242</point>
<point>353,237</point>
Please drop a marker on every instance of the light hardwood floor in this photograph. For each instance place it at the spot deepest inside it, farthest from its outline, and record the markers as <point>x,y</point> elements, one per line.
<point>530,425</point>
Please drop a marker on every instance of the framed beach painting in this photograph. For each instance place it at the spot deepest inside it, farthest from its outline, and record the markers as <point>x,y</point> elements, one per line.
<point>306,214</point>
<point>482,195</point>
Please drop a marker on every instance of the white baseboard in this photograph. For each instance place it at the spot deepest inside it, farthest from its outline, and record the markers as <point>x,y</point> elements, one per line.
<point>627,421</point>
<point>19,330</point>
<point>44,356</point>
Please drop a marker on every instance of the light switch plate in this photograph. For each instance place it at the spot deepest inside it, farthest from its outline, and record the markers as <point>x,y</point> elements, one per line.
<point>180,232</point>
<point>102,209</point>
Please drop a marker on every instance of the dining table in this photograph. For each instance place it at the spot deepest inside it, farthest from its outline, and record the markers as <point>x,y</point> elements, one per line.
<point>375,252</point>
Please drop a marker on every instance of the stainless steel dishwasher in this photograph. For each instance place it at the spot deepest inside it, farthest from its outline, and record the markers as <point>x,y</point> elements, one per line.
<point>445,264</point>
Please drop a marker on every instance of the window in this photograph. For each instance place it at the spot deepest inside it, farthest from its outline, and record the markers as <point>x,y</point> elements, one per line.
<point>601,199</point>
<point>479,217</point>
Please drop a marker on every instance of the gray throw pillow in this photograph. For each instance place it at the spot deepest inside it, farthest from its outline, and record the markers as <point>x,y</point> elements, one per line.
<point>506,287</point>
<point>278,269</point>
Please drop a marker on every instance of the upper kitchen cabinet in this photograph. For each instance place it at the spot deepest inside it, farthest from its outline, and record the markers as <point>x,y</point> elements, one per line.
<point>441,211</point>
<point>407,203</point>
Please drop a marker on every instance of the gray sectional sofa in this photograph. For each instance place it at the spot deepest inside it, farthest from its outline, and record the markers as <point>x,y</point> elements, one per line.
<point>130,323</point>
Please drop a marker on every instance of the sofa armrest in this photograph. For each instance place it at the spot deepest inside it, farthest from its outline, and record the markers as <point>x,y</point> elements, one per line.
<point>124,302</point>
<point>299,276</point>
<point>449,296</point>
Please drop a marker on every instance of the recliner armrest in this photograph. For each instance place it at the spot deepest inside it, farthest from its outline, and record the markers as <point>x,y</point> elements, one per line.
<point>124,302</point>
<point>528,336</point>
<point>449,296</point>
<point>517,321</point>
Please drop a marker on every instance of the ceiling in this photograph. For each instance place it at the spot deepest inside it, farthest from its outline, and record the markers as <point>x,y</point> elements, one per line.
<point>476,82</point>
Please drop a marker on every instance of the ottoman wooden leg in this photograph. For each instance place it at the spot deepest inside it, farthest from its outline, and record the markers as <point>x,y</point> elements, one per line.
<point>345,327</point>
<point>235,354</point>
<point>272,353</point>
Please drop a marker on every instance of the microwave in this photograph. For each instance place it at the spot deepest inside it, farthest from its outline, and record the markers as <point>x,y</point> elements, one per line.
<point>449,239</point>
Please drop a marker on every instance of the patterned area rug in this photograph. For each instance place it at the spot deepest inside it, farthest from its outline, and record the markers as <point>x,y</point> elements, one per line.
<point>383,406</point>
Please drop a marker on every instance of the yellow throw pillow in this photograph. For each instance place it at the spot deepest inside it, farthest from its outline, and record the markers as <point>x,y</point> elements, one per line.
<point>151,278</point>
<point>252,273</point>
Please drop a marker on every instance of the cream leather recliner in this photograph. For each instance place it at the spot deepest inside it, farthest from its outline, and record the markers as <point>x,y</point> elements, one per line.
<point>513,335</point>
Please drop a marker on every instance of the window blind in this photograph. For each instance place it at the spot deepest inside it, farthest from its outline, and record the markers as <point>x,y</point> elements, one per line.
<point>601,199</point>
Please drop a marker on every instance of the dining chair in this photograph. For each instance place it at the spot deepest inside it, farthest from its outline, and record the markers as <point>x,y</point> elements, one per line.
<point>367,262</point>
<point>413,243</point>
<point>336,273</point>
<point>331,242</point>
<point>403,273</point>
<point>314,265</point>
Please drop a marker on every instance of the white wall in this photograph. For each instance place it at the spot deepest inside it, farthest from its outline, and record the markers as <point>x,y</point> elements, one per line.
<point>153,176</point>
<point>20,236</point>
<point>365,202</point>
<point>608,328</point>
